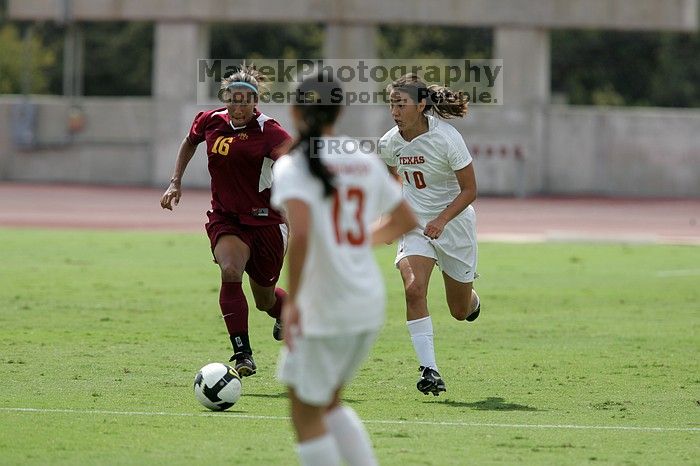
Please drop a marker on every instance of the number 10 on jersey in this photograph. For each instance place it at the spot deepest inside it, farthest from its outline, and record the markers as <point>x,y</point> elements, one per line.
<point>418,179</point>
<point>348,215</point>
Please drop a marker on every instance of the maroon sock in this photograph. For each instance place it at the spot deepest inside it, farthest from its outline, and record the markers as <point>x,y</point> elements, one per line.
<point>276,310</point>
<point>234,307</point>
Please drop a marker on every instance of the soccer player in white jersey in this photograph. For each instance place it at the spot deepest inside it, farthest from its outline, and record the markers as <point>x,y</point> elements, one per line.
<point>332,196</point>
<point>434,164</point>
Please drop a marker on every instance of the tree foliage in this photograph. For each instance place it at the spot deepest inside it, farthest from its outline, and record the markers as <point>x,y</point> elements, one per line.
<point>626,68</point>
<point>434,42</point>
<point>677,80</point>
<point>588,67</point>
<point>23,61</point>
<point>251,41</point>
<point>118,58</point>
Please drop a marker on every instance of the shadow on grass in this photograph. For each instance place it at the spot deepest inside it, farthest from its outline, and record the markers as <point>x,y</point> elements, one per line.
<point>491,403</point>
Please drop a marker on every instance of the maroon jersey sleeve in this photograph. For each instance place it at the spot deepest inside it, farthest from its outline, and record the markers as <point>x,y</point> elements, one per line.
<point>199,124</point>
<point>279,141</point>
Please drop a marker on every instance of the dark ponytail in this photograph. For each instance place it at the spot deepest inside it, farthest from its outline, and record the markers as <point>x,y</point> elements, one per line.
<point>318,108</point>
<point>308,143</point>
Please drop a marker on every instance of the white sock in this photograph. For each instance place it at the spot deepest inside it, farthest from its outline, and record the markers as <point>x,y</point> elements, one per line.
<point>421,331</point>
<point>475,301</point>
<point>319,451</point>
<point>350,435</point>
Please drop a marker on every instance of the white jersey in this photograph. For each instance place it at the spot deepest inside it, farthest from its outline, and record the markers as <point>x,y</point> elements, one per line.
<point>341,289</point>
<point>427,165</point>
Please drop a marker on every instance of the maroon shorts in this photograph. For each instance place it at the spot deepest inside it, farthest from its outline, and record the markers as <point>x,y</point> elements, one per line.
<point>266,243</point>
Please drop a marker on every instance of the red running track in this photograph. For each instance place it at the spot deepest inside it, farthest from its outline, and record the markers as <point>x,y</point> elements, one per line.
<point>499,219</point>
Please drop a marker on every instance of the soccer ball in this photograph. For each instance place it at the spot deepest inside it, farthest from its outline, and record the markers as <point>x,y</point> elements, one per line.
<point>217,386</point>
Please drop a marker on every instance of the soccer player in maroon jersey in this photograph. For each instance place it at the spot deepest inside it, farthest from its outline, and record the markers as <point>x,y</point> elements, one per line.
<point>246,233</point>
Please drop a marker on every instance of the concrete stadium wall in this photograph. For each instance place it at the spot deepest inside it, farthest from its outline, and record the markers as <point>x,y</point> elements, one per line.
<point>622,152</point>
<point>561,150</point>
<point>113,148</point>
<point>614,14</point>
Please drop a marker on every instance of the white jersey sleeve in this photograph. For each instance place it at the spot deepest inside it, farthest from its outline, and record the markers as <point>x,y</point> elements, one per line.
<point>289,183</point>
<point>458,155</point>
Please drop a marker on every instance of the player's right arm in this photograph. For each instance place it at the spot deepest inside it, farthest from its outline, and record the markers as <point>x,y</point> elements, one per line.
<point>184,155</point>
<point>394,172</point>
<point>299,220</point>
<point>174,191</point>
<point>386,153</point>
<point>290,195</point>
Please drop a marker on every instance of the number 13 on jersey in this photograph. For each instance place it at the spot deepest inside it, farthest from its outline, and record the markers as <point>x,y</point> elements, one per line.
<point>348,215</point>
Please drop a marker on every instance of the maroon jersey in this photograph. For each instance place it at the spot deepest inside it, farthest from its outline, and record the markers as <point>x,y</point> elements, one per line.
<point>240,163</point>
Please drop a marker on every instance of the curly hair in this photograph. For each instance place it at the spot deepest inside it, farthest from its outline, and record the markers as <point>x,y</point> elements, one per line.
<point>442,100</point>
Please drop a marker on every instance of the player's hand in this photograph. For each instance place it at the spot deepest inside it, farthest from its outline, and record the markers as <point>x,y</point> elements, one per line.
<point>290,320</point>
<point>434,228</point>
<point>171,196</point>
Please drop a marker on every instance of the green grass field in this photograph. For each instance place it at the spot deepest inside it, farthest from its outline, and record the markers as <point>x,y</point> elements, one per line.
<point>584,354</point>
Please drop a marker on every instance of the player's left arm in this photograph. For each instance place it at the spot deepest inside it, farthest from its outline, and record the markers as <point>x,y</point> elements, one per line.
<point>299,219</point>
<point>281,149</point>
<point>467,195</point>
<point>279,140</point>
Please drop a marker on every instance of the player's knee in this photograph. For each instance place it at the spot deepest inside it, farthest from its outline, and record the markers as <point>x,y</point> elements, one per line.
<point>231,273</point>
<point>459,311</point>
<point>265,302</point>
<point>415,292</point>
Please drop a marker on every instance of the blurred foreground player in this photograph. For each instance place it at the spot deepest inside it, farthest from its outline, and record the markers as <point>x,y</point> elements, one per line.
<point>245,232</point>
<point>336,300</point>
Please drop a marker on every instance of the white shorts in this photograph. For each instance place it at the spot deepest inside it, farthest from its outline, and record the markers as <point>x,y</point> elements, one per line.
<point>455,250</point>
<point>318,366</point>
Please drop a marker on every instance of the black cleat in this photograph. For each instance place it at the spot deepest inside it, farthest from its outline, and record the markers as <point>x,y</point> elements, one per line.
<point>475,314</point>
<point>245,365</point>
<point>277,330</point>
<point>430,381</point>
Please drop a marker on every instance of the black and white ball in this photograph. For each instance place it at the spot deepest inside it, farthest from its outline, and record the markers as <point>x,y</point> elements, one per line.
<point>217,386</point>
